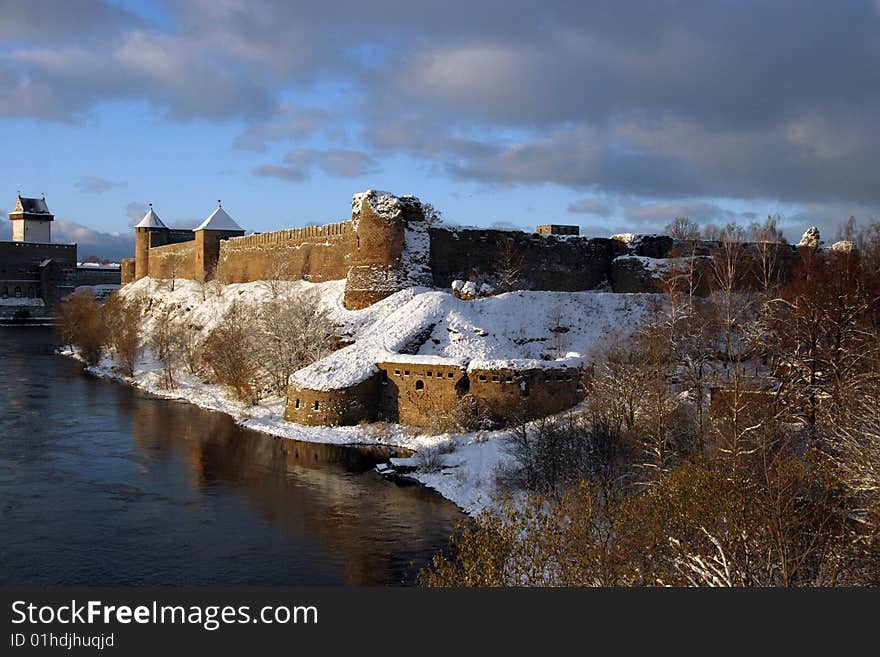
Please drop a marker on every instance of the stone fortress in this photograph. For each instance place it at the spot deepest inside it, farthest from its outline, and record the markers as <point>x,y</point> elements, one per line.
<point>389,245</point>
<point>35,273</point>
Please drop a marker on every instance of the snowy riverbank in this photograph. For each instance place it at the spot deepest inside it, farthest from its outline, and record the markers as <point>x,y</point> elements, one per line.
<point>461,467</point>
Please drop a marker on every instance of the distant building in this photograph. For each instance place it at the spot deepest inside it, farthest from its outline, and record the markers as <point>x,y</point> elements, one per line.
<point>557,229</point>
<point>31,220</point>
<point>36,273</point>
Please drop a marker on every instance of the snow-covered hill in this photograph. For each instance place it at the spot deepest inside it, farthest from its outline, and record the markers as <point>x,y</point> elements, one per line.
<point>517,325</point>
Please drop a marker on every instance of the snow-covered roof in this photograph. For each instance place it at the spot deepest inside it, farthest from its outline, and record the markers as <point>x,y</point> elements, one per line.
<point>525,364</point>
<point>424,359</point>
<point>219,220</point>
<point>150,220</point>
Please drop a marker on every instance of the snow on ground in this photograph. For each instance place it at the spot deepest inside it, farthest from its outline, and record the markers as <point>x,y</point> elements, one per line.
<point>519,326</point>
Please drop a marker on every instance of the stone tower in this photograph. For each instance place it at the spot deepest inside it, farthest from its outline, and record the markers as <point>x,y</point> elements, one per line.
<point>217,227</point>
<point>31,220</point>
<point>390,249</point>
<point>144,230</point>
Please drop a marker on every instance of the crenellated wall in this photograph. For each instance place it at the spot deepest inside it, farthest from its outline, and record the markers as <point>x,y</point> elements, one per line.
<point>388,246</point>
<point>313,253</point>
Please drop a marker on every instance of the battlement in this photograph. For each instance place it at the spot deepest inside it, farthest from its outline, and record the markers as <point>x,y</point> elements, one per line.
<point>387,246</point>
<point>293,235</point>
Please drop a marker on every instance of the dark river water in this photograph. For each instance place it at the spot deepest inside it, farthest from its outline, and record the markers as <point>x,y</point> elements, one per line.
<point>101,484</point>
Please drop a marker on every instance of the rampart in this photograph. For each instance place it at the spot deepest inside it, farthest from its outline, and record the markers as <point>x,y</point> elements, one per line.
<point>540,262</point>
<point>423,391</point>
<point>173,260</point>
<point>387,245</point>
<point>313,253</point>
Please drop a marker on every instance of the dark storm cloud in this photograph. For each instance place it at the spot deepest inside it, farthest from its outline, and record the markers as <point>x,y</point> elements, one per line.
<point>652,98</point>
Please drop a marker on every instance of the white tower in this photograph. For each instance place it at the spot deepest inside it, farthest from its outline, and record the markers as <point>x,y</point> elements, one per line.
<point>31,220</point>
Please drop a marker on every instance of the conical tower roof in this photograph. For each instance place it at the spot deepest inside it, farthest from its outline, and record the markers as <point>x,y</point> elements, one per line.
<point>219,220</point>
<point>150,220</point>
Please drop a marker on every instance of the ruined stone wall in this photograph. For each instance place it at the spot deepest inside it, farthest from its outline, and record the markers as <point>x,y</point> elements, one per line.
<point>333,407</point>
<point>173,261</point>
<point>506,394</point>
<point>547,262</point>
<point>417,394</point>
<point>313,253</point>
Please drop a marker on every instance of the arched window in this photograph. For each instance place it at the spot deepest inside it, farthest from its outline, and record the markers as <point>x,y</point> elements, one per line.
<point>420,385</point>
<point>316,405</point>
<point>17,292</point>
<point>296,405</point>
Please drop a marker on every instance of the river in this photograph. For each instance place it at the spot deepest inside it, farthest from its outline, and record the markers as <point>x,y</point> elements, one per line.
<point>102,484</point>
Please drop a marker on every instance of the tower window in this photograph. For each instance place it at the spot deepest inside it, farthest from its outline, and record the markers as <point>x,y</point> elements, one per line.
<point>316,405</point>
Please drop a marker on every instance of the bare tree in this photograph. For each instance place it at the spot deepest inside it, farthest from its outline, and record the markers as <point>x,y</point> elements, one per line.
<point>165,343</point>
<point>175,264</point>
<point>231,353</point>
<point>433,216</point>
<point>277,272</point>
<point>509,265</point>
<point>121,317</point>
<point>81,325</point>
<point>293,331</point>
<point>682,228</point>
<point>769,244</point>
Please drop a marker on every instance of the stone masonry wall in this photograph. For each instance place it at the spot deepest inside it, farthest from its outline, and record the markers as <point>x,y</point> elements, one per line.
<point>416,394</point>
<point>126,267</point>
<point>313,253</point>
<point>346,406</point>
<point>173,260</point>
<point>506,394</point>
<point>548,262</point>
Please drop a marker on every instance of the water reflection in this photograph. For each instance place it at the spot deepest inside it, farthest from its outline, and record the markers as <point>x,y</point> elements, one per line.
<point>129,489</point>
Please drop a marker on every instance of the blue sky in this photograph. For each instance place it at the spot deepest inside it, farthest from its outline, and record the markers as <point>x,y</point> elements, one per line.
<point>613,116</point>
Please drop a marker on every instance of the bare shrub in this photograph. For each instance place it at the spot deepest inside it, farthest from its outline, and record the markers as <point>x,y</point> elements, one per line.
<point>230,353</point>
<point>277,272</point>
<point>429,459</point>
<point>293,331</point>
<point>121,318</point>
<point>165,341</point>
<point>465,416</point>
<point>81,325</point>
<point>552,454</point>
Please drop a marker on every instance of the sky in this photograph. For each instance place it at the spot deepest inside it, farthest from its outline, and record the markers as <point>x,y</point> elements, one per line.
<point>616,116</point>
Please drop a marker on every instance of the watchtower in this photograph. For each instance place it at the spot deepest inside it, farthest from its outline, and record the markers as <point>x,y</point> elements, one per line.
<point>144,231</point>
<point>217,227</point>
<point>31,220</point>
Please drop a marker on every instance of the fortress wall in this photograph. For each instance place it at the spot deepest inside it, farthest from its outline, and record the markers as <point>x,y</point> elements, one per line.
<point>313,253</point>
<point>548,262</point>
<point>126,270</point>
<point>173,260</point>
<point>507,393</point>
<point>347,406</point>
<point>408,394</point>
